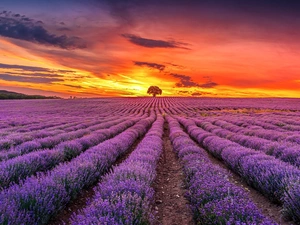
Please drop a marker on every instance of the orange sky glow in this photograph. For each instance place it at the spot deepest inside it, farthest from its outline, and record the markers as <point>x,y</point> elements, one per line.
<point>210,51</point>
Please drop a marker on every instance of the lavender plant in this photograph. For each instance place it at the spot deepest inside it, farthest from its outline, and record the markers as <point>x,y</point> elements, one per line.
<point>125,195</point>
<point>37,199</point>
<point>214,199</point>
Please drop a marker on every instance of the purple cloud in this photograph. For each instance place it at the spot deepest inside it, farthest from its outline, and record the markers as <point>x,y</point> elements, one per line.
<point>23,28</point>
<point>185,81</point>
<point>153,43</point>
<point>157,66</point>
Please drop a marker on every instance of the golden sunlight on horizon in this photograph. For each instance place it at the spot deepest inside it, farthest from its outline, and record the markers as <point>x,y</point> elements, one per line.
<point>197,53</point>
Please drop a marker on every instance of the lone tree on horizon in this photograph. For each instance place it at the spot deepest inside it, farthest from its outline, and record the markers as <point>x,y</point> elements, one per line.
<point>154,90</point>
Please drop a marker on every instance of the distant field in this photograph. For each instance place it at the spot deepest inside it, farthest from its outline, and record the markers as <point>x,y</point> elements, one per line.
<point>150,161</point>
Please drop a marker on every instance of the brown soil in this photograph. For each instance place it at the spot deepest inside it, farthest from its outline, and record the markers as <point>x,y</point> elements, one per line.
<point>268,208</point>
<point>171,207</point>
<point>80,202</point>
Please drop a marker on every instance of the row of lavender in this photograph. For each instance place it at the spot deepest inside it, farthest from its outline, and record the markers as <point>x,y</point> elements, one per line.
<point>43,124</point>
<point>285,149</point>
<point>278,122</point>
<point>27,116</point>
<point>34,127</point>
<point>61,184</point>
<point>18,141</point>
<point>53,141</point>
<point>62,141</point>
<point>125,195</point>
<point>220,107</point>
<point>17,169</point>
<point>214,199</point>
<point>275,179</point>
<point>17,144</point>
<point>38,198</point>
<point>238,126</point>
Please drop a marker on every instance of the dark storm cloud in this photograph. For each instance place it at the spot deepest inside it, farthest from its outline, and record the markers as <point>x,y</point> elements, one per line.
<point>185,81</point>
<point>30,79</point>
<point>225,21</point>
<point>124,9</point>
<point>153,43</point>
<point>157,66</point>
<point>121,10</point>
<point>23,28</point>
<point>266,5</point>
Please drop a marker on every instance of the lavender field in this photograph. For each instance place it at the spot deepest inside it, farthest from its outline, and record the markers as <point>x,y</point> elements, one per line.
<point>230,152</point>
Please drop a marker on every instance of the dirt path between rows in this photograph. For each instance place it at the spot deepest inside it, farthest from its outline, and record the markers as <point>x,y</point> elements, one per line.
<point>171,206</point>
<point>76,205</point>
<point>269,209</point>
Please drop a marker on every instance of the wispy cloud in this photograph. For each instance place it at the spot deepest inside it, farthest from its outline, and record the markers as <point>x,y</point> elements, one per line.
<point>23,28</point>
<point>153,43</point>
<point>53,75</point>
<point>157,66</point>
<point>30,79</point>
<point>185,81</point>
<point>32,68</point>
<point>33,74</point>
<point>72,86</point>
<point>20,67</point>
<point>195,94</point>
<point>208,84</point>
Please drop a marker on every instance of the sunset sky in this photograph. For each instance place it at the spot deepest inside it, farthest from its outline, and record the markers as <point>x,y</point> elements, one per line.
<point>94,48</point>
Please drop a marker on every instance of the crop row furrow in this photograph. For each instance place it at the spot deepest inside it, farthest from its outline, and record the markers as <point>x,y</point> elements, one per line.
<point>285,151</point>
<point>37,199</point>
<point>51,142</point>
<point>275,124</point>
<point>214,199</point>
<point>125,195</point>
<point>34,127</point>
<point>15,139</point>
<point>275,179</point>
<point>17,169</point>
<point>271,135</point>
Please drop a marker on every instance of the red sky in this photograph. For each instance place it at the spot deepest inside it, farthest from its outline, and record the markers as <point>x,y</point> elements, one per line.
<point>119,48</point>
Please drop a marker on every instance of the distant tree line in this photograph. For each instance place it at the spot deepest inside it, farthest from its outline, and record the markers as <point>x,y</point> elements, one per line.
<point>14,95</point>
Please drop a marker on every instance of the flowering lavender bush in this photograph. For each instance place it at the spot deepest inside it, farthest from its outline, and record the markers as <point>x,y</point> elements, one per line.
<point>51,142</point>
<point>285,151</point>
<point>124,196</point>
<point>214,200</point>
<point>51,150</point>
<point>14,170</point>
<point>272,177</point>
<point>291,206</point>
<point>39,198</point>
